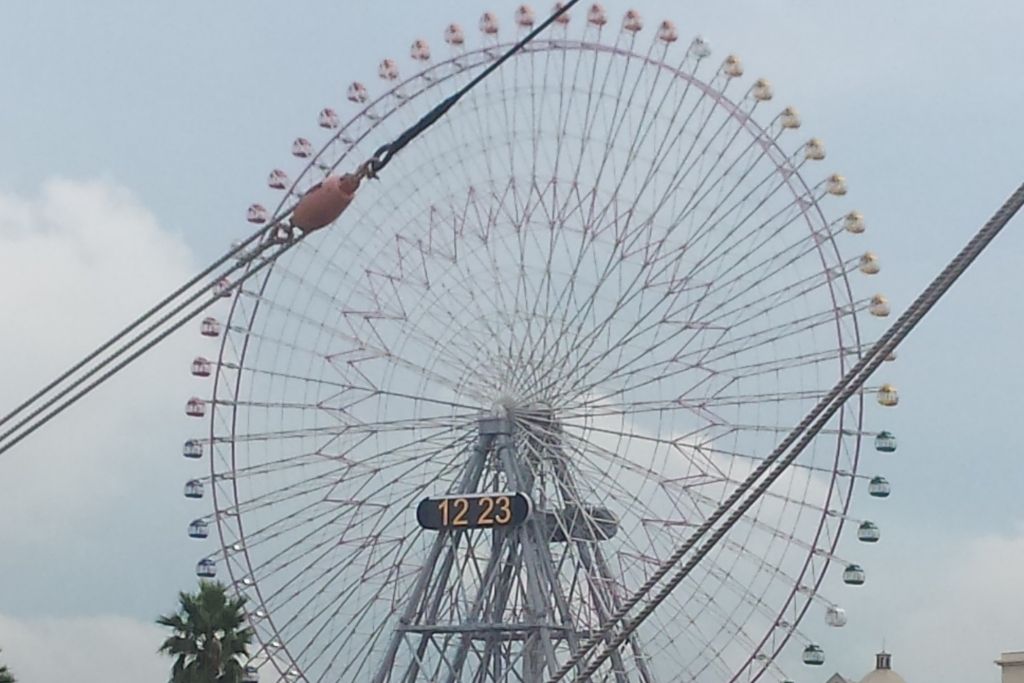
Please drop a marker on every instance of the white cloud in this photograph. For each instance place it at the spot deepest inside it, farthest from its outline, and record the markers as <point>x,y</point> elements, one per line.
<point>93,500</point>
<point>79,261</point>
<point>101,649</point>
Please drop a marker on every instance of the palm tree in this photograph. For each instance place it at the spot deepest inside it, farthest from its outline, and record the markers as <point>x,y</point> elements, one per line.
<point>208,641</point>
<point>5,675</point>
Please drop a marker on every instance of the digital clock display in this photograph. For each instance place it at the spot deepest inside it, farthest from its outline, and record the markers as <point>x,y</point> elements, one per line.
<point>473,511</point>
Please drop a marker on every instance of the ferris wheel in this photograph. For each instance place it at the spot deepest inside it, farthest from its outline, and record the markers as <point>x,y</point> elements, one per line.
<point>448,436</point>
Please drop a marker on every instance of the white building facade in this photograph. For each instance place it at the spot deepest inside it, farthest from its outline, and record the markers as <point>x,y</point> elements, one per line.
<point>1012,664</point>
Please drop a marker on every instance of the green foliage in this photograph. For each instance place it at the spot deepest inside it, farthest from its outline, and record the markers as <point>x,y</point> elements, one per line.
<point>5,675</point>
<point>208,640</point>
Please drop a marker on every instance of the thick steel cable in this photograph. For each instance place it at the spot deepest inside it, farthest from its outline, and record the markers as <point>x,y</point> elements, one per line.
<point>140,337</point>
<point>11,442</point>
<point>135,324</point>
<point>805,431</point>
<point>380,159</point>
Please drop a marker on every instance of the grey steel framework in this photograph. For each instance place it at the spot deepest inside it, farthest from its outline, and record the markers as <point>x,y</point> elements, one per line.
<point>602,280</point>
<point>530,607</point>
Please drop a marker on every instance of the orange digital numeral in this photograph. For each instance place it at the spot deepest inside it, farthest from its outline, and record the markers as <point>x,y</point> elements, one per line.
<point>504,510</point>
<point>486,510</point>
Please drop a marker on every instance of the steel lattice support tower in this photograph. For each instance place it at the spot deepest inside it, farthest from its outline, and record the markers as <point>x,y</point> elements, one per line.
<point>511,604</point>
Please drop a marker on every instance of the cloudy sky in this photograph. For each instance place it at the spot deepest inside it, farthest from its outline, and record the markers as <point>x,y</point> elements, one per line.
<point>133,135</point>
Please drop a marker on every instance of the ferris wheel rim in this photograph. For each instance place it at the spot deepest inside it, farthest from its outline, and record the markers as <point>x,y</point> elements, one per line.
<point>312,165</point>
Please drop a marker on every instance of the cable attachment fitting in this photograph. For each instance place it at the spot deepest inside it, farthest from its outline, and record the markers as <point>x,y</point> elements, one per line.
<point>376,163</point>
<point>323,203</point>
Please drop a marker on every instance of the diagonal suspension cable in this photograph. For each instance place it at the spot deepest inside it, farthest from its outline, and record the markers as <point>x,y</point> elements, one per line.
<point>149,338</point>
<point>798,439</point>
<point>163,303</point>
<point>54,397</point>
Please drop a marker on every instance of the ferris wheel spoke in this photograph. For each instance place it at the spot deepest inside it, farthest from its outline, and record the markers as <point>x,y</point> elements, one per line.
<point>769,259</point>
<point>643,127</point>
<point>640,134</point>
<point>291,493</point>
<point>588,448</point>
<point>755,524</point>
<point>826,470</point>
<point>729,625</point>
<point>692,612</point>
<point>804,245</point>
<point>749,207</point>
<point>700,193</point>
<point>585,308</point>
<point>362,430</point>
<point>382,571</point>
<point>720,479</point>
<point>348,423</point>
<point>694,198</point>
<point>622,342</point>
<point>358,499</point>
<point>732,347</point>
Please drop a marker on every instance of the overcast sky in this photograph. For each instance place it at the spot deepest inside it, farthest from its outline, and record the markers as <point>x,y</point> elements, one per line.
<point>133,135</point>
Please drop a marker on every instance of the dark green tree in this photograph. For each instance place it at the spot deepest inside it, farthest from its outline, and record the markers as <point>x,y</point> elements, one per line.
<point>208,640</point>
<point>5,675</point>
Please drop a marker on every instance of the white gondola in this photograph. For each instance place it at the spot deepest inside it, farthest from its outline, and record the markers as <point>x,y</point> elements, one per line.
<point>192,449</point>
<point>195,407</point>
<point>888,396</point>
<point>356,92</point>
<point>699,48</point>
<point>632,22</point>
<point>222,288</point>
<point>327,118</point>
<point>854,575</point>
<point>836,185</point>
<point>454,35</point>
<point>563,19</point>
<point>199,528</point>
<point>388,70</point>
<point>814,150</point>
<point>193,488</point>
<point>209,327</point>
<point>420,50</point>
<point>879,306</point>
<point>813,655</point>
<point>879,487</point>
<point>732,67</point>
<point>525,16</point>
<point>302,148</point>
<point>489,23</point>
<point>869,264</point>
<point>853,223</point>
<point>277,180</point>
<point>762,90</point>
<point>868,532</point>
<point>668,33</point>
<point>885,442</point>
<point>835,617</point>
<point>790,118</point>
<point>206,568</point>
<point>201,367</point>
<point>256,213</point>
